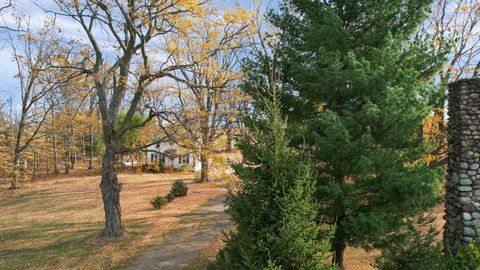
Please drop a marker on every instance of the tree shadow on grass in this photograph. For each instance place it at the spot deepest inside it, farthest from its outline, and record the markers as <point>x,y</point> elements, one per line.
<point>61,245</point>
<point>23,198</point>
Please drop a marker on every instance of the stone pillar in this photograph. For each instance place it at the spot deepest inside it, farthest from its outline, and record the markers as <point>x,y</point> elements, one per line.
<point>462,198</point>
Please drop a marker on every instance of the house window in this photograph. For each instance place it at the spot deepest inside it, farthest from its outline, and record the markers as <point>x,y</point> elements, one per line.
<point>152,157</point>
<point>162,158</point>
<point>185,159</point>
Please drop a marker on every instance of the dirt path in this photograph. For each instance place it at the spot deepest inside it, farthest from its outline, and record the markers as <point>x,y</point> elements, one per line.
<point>195,233</point>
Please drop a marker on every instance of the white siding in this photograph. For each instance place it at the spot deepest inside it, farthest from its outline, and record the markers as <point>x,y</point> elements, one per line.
<point>163,147</point>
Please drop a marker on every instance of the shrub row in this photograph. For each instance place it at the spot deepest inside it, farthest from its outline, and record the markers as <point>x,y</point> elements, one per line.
<point>158,167</point>
<point>178,189</point>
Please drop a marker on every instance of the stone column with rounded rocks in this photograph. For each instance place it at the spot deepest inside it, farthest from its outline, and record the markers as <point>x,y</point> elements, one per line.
<point>462,197</point>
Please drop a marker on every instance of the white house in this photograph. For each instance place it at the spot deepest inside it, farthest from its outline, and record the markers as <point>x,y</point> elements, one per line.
<point>171,154</point>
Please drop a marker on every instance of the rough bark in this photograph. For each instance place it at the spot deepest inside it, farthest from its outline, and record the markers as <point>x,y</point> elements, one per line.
<point>204,168</point>
<point>204,147</point>
<point>111,188</point>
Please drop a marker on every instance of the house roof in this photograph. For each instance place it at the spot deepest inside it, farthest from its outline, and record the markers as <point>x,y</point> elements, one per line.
<point>164,147</point>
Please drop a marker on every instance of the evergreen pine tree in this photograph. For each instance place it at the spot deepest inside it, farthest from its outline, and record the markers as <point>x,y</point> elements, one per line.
<point>272,206</point>
<point>357,89</point>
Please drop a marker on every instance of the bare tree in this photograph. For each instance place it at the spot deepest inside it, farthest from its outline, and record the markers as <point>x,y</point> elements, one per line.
<point>121,69</point>
<point>453,25</point>
<point>33,53</point>
<point>3,8</point>
<point>202,107</point>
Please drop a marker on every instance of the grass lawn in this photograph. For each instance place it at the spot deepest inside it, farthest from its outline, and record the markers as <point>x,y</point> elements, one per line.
<point>55,224</point>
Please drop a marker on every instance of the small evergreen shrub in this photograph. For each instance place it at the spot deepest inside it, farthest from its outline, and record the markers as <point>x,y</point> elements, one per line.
<point>415,247</point>
<point>162,167</point>
<point>179,189</point>
<point>466,258</point>
<point>159,202</point>
<point>170,197</point>
<point>273,205</point>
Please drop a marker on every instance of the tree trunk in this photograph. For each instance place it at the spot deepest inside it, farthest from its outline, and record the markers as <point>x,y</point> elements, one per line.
<point>55,159</point>
<point>338,242</point>
<point>54,142</point>
<point>90,161</point>
<point>47,167</point>
<point>68,154</point>
<point>17,153</point>
<point>84,152</point>
<point>91,136</point>
<point>67,161</point>
<point>204,168</point>
<point>35,161</point>
<point>339,249</point>
<point>204,149</point>
<point>111,192</point>
<point>14,183</point>
<point>229,138</point>
<point>16,171</point>
<point>73,156</point>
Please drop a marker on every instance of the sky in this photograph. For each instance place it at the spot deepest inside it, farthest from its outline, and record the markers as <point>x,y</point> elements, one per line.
<point>70,30</point>
<point>33,14</point>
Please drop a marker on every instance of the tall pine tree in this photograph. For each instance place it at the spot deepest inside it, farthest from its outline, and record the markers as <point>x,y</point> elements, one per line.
<point>358,88</point>
<point>272,207</point>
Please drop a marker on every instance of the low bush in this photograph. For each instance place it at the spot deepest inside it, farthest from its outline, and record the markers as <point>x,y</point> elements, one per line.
<point>145,168</point>
<point>415,247</point>
<point>155,167</point>
<point>179,189</point>
<point>159,202</point>
<point>170,197</point>
<point>412,247</point>
<point>162,167</point>
<point>466,258</point>
<point>184,168</point>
